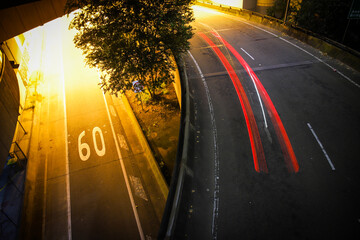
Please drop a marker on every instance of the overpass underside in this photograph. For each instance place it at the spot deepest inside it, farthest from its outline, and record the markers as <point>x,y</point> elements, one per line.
<point>20,16</point>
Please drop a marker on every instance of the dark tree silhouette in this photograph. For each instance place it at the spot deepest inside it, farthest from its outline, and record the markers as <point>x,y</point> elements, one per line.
<point>132,40</point>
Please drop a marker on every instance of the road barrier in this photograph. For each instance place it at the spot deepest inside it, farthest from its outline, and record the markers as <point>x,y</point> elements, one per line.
<point>332,48</point>
<point>147,150</point>
<point>177,179</point>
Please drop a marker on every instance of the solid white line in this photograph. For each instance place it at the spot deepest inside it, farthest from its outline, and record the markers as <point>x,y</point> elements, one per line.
<point>300,48</point>
<point>273,34</point>
<point>331,67</point>
<point>258,95</point>
<point>321,146</point>
<point>247,53</point>
<point>216,155</point>
<point>124,173</point>
<point>67,171</point>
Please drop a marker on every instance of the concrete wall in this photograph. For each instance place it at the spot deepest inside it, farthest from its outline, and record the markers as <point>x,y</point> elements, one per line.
<point>263,5</point>
<point>246,4</point>
<point>233,3</point>
<point>250,4</point>
<point>9,109</point>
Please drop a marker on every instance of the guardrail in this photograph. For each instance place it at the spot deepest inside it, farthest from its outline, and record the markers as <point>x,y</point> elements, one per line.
<point>177,179</point>
<point>326,45</point>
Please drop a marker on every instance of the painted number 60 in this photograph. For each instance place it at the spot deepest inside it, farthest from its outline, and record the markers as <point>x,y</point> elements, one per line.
<point>84,147</point>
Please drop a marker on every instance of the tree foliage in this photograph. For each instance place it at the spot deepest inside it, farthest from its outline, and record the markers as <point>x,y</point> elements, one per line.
<point>325,17</point>
<point>132,40</point>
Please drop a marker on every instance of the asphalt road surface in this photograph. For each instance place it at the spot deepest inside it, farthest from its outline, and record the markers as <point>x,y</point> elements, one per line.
<point>275,153</point>
<point>91,180</point>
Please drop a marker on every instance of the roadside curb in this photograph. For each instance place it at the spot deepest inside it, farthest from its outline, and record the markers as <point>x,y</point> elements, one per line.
<point>147,150</point>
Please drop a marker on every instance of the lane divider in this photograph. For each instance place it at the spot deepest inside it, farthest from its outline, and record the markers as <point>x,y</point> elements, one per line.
<point>286,147</point>
<point>255,140</point>
<point>322,147</point>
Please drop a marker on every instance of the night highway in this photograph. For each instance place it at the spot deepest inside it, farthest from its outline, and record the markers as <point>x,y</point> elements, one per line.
<point>274,153</point>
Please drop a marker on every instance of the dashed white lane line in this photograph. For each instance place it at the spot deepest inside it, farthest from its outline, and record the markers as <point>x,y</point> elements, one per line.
<point>122,142</point>
<point>138,187</point>
<point>216,155</point>
<point>322,147</point>
<point>247,53</point>
<point>251,76</point>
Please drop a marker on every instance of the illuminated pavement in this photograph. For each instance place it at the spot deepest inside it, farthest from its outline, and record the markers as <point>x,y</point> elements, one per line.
<point>87,175</point>
<point>296,176</point>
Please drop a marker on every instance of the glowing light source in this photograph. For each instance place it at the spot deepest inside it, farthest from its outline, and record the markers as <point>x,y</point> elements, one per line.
<point>233,3</point>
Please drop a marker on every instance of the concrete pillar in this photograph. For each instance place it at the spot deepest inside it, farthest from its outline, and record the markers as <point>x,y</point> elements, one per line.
<point>263,5</point>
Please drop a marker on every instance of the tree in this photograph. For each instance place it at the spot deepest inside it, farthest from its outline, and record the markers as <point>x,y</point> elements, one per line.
<point>279,8</point>
<point>132,40</point>
<point>325,17</point>
<point>328,18</point>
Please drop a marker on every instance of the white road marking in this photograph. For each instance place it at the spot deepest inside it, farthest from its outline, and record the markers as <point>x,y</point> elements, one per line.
<point>300,48</point>
<point>122,142</point>
<point>247,53</point>
<point>331,67</point>
<point>321,146</point>
<point>112,110</point>
<point>124,173</point>
<point>67,171</point>
<point>257,92</point>
<point>258,95</point>
<point>138,187</point>
<point>216,155</point>
<point>273,34</point>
